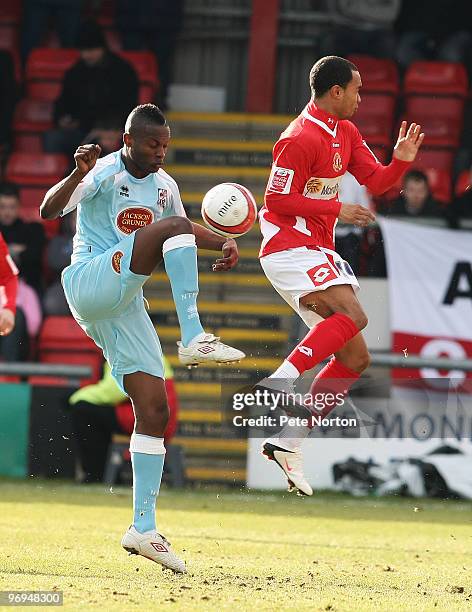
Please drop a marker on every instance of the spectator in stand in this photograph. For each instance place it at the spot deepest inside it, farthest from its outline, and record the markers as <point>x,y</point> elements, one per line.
<point>8,295</point>
<point>100,86</point>
<point>102,409</point>
<point>364,26</point>
<point>58,256</point>
<point>438,30</point>
<point>8,96</point>
<point>415,199</point>
<point>153,25</point>
<point>37,16</point>
<point>26,241</point>
<point>461,207</point>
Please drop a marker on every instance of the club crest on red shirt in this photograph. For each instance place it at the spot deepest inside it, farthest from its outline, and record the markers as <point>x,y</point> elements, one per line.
<point>337,162</point>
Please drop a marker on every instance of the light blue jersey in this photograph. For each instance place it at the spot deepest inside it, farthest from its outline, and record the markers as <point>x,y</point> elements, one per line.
<point>104,295</point>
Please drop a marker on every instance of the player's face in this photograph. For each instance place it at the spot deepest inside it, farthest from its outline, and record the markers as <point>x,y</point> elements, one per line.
<point>149,149</point>
<point>351,98</point>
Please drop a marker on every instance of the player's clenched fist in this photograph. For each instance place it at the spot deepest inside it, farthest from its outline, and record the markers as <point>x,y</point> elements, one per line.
<point>356,214</point>
<point>86,157</point>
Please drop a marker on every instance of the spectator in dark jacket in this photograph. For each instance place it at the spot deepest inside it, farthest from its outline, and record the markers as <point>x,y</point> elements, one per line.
<point>415,199</point>
<point>99,86</point>
<point>25,241</point>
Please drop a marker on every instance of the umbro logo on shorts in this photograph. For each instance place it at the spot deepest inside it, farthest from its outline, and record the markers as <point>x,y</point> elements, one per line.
<point>159,547</point>
<point>206,349</point>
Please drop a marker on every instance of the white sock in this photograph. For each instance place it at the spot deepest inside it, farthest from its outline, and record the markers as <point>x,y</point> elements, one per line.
<point>286,370</point>
<point>291,437</point>
<point>197,338</point>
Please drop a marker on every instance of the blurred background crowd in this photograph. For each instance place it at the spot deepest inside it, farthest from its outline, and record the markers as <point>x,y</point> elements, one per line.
<point>71,70</point>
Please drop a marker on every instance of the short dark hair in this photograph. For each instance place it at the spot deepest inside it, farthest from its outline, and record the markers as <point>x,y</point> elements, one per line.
<point>142,116</point>
<point>329,71</point>
<point>416,175</point>
<point>10,189</point>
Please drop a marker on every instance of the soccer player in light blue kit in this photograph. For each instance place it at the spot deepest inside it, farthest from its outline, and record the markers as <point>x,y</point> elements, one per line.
<point>129,218</point>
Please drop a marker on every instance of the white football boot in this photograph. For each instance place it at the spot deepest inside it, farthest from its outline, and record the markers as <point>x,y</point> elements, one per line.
<point>207,350</point>
<point>291,462</point>
<point>153,546</point>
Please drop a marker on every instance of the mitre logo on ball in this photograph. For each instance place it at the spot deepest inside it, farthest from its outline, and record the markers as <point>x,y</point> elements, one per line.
<point>229,209</point>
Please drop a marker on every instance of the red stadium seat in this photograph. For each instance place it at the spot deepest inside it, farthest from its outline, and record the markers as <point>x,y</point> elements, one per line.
<point>11,12</point>
<point>440,183</point>
<point>106,18</point>
<point>440,78</point>
<point>378,75</point>
<point>145,65</point>
<point>44,90</point>
<point>48,66</point>
<point>463,183</point>
<point>441,119</point>
<point>374,118</point>
<point>61,340</point>
<point>31,119</point>
<point>38,170</point>
<point>440,159</point>
<point>31,198</point>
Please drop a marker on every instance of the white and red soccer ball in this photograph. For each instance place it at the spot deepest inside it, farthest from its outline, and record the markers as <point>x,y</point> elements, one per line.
<point>229,209</point>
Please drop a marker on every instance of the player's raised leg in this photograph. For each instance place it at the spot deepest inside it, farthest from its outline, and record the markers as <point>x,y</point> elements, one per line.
<point>149,399</point>
<point>349,361</point>
<point>172,240</point>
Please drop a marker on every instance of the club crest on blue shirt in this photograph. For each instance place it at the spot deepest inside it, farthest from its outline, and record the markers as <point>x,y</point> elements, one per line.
<point>162,198</point>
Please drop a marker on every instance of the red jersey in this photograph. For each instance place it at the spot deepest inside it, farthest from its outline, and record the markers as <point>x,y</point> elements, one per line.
<point>301,203</point>
<point>8,278</point>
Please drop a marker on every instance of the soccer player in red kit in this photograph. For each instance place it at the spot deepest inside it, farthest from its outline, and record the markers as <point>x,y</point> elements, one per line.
<point>8,290</point>
<point>297,222</point>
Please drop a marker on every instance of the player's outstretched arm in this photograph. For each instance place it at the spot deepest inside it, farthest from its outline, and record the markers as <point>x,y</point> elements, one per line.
<point>58,196</point>
<point>206,239</point>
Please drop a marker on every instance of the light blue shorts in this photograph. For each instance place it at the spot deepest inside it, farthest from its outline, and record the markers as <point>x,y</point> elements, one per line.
<point>106,300</point>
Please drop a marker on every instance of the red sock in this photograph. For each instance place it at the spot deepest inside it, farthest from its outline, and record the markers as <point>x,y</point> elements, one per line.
<point>331,386</point>
<point>326,338</point>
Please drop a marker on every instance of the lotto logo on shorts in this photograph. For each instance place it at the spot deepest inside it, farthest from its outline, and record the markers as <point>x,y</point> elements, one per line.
<point>116,261</point>
<point>280,180</point>
<point>321,274</point>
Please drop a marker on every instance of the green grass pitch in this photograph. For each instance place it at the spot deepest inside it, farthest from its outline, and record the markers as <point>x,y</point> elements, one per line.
<point>245,551</point>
